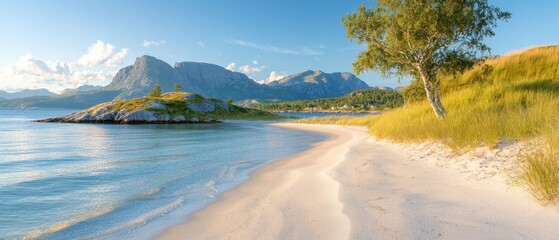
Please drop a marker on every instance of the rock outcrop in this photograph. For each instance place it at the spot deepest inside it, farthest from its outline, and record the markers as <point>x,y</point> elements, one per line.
<point>168,108</point>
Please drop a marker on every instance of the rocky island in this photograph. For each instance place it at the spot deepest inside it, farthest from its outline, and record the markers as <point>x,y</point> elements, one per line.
<point>172,107</point>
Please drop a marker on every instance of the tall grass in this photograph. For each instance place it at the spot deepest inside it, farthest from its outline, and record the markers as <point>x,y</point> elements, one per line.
<point>540,170</point>
<point>479,115</point>
<point>517,100</point>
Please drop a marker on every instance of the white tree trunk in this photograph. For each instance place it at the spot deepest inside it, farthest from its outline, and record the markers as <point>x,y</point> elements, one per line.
<point>432,92</point>
<point>438,99</point>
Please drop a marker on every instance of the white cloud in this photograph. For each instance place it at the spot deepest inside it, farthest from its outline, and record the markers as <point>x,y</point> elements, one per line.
<point>231,67</point>
<point>246,69</point>
<point>102,53</point>
<point>116,60</point>
<point>321,46</point>
<point>29,72</point>
<point>27,65</point>
<point>201,44</point>
<point>254,62</point>
<point>270,48</point>
<point>153,43</point>
<point>274,76</point>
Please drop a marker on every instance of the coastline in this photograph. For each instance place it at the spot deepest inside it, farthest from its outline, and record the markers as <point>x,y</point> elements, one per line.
<point>290,198</point>
<point>354,187</point>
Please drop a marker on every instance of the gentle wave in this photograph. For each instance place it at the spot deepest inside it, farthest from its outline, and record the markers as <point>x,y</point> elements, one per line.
<point>141,220</point>
<point>67,223</point>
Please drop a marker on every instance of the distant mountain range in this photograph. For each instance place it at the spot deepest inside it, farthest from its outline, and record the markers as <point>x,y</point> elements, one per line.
<point>205,79</point>
<point>26,93</point>
<point>83,88</point>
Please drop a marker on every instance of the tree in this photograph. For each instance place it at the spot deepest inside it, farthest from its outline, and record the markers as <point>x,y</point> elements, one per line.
<point>423,38</point>
<point>177,87</point>
<point>156,91</point>
<point>230,100</point>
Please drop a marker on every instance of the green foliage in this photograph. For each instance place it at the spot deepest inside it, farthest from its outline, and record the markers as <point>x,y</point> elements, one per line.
<point>177,87</point>
<point>360,100</point>
<point>156,91</point>
<point>414,92</point>
<point>443,35</point>
<point>230,100</point>
<point>424,39</point>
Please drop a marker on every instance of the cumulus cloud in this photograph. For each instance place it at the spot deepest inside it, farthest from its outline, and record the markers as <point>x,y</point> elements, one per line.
<point>30,72</point>
<point>231,67</point>
<point>246,69</point>
<point>102,53</point>
<point>27,65</point>
<point>254,62</point>
<point>116,60</point>
<point>153,43</point>
<point>274,76</point>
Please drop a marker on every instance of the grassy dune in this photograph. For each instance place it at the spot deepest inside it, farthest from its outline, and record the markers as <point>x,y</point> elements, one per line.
<point>517,100</point>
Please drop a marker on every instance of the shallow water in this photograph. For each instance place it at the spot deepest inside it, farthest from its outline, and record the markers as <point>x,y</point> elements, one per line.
<point>68,181</point>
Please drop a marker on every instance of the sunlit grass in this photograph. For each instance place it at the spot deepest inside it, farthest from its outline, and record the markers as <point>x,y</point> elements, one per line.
<point>540,170</point>
<point>518,100</point>
<point>477,116</point>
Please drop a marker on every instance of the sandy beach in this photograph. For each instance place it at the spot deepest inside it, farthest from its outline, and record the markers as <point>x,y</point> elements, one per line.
<point>354,187</point>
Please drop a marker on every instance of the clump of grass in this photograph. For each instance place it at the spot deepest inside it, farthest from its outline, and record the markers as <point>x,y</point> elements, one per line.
<point>539,171</point>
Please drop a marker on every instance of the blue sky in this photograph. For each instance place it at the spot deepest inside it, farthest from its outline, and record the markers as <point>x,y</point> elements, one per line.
<point>62,44</point>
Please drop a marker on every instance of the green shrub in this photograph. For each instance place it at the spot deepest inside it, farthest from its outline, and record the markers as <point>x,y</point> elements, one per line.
<point>156,91</point>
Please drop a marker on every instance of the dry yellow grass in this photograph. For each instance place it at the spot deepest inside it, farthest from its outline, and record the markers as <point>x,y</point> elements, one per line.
<point>518,100</point>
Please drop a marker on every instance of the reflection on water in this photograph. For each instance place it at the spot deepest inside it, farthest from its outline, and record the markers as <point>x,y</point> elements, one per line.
<point>68,181</point>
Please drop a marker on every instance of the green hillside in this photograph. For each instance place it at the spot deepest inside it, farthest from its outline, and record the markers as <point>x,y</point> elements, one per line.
<point>516,98</point>
<point>359,100</point>
<point>171,107</point>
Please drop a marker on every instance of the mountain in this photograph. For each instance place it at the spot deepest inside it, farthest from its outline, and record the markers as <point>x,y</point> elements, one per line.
<point>217,82</point>
<point>203,78</point>
<point>83,88</point>
<point>72,101</point>
<point>26,93</point>
<point>206,79</point>
<point>317,84</point>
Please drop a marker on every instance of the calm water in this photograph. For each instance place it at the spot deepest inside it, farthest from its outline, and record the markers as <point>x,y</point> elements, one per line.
<point>68,181</point>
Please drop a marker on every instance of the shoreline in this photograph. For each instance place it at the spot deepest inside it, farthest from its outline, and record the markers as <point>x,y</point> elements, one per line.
<point>351,186</point>
<point>290,198</point>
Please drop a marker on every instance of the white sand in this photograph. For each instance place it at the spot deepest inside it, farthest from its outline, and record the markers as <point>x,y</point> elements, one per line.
<point>352,187</point>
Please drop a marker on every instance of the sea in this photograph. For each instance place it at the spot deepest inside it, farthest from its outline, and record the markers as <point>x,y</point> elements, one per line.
<point>110,181</point>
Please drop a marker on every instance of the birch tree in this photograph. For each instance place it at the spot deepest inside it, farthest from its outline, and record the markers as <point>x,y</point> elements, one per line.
<point>423,39</point>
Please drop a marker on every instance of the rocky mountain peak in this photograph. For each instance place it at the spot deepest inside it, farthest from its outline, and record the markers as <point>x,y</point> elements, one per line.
<point>215,81</point>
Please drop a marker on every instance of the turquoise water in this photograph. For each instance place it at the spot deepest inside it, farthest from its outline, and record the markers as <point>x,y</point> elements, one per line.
<point>97,181</point>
